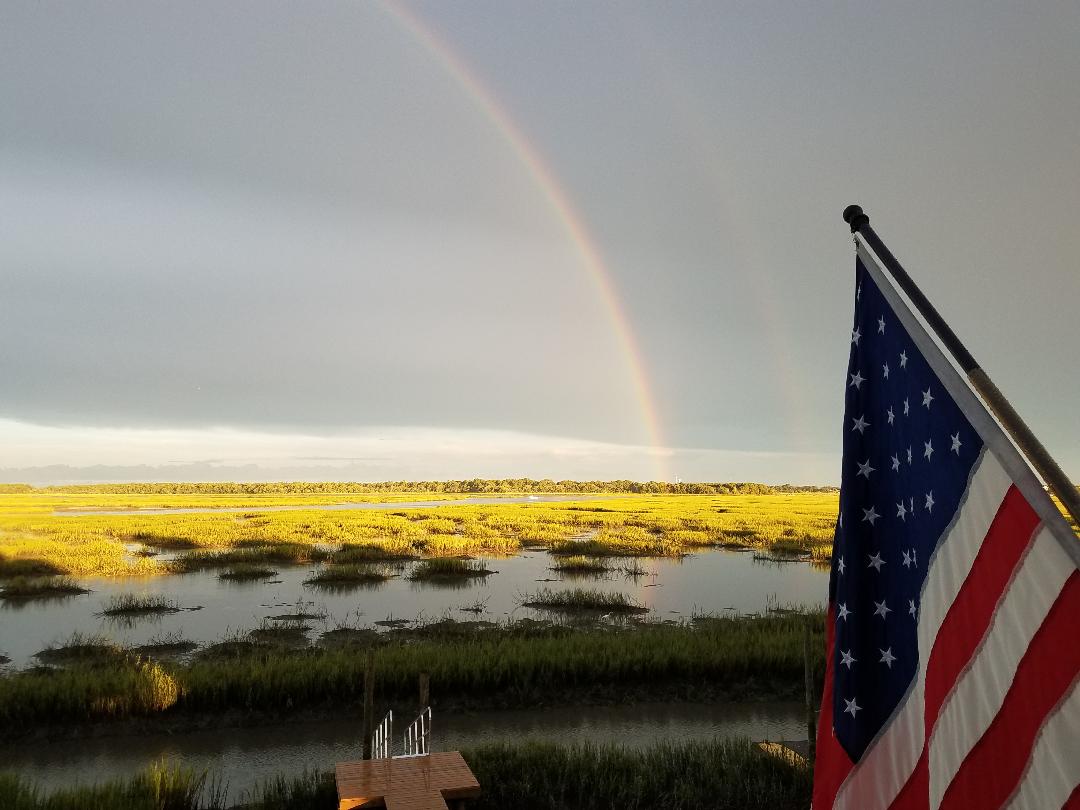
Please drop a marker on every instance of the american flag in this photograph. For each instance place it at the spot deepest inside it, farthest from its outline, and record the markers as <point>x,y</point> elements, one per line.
<point>953,649</point>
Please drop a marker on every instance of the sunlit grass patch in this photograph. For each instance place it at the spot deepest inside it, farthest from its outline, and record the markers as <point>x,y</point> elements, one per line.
<point>579,599</point>
<point>20,588</point>
<point>447,568</point>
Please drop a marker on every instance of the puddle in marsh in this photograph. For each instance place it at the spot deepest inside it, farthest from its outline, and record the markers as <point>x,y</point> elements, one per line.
<point>717,582</point>
<point>244,757</point>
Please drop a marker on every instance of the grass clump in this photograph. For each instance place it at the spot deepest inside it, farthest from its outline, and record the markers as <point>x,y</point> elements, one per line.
<point>579,565</point>
<point>350,575</point>
<point>130,604</point>
<point>579,599</point>
<point>79,647</point>
<point>161,787</point>
<point>246,572</point>
<point>21,588</point>
<point>444,569</point>
<point>718,774</point>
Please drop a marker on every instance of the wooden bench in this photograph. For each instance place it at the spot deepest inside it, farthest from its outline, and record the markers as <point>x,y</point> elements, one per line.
<point>406,783</point>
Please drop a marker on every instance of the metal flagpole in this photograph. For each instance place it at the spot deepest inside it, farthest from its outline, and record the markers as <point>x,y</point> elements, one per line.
<point>1021,435</point>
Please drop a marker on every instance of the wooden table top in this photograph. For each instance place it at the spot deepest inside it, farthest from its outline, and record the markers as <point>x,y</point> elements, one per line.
<point>405,783</point>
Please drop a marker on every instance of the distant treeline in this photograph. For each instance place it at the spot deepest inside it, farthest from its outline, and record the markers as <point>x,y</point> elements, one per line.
<point>478,486</point>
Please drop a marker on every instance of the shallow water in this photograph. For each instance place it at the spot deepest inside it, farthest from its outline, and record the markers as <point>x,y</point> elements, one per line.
<point>243,757</point>
<point>718,582</point>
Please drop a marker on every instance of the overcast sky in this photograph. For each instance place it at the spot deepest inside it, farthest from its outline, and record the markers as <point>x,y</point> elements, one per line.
<point>324,239</point>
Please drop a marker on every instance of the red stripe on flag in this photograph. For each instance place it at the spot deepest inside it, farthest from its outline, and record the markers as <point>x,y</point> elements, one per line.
<point>966,624</point>
<point>969,617</point>
<point>831,762</point>
<point>1049,667</point>
<point>1073,802</point>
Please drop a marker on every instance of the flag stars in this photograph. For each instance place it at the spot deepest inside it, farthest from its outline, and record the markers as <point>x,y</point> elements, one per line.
<point>881,326</point>
<point>880,609</point>
<point>956,443</point>
<point>927,398</point>
<point>886,657</point>
<point>889,413</point>
<point>851,706</point>
<point>907,406</point>
<point>912,609</point>
<point>903,359</point>
<point>855,335</point>
<point>896,463</point>
<point>840,566</point>
<point>846,659</point>
<point>906,561</point>
<point>930,501</point>
<point>842,611</point>
<point>901,511</point>
<point>865,470</point>
<point>856,380</point>
<point>911,506</point>
<point>869,515</point>
<point>909,455</point>
<point>860,425</point>
<point>928,449</point>
<point>885,371</point>
<point>876,562</point>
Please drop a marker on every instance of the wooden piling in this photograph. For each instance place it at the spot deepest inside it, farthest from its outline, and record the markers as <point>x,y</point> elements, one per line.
<point>369,702</point>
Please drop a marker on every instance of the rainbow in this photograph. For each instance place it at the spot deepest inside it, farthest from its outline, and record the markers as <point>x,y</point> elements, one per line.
<point>560,204</point>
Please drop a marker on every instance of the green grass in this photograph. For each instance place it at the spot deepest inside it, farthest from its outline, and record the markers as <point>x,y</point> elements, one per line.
<point>130,604</point>
<point>19,588</point>
<point>524,664</point>
<point>579,599</point>
<point>447,568</point>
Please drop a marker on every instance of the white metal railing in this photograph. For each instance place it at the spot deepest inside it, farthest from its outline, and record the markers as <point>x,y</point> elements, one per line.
<point>380,740</point>
<point>418,735</point>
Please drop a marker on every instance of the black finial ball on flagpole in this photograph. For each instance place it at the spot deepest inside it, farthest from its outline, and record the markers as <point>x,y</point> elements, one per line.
<point>854,216</point>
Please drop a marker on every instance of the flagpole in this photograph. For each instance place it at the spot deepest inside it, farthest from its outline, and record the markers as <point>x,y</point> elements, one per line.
<point>1018,431</point>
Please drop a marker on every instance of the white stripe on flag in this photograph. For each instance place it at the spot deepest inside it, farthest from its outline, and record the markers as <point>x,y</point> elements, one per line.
<point>886,765</point>
<point>1051,778</point>
<point>980,691</point>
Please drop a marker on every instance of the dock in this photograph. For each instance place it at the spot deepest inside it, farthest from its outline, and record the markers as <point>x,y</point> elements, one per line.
<point>436,781</point>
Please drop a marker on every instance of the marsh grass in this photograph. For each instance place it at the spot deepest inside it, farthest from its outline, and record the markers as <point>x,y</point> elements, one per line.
<point>34,539</point>
<point>520,664</point>
<point>161,787</point>
<point>131,605</point>
<point>447,569</point>
<point>247,572</point>
<point>581,600</point>
<point>80,647</point>
<point>578,565</point>
<point>348,575</point>
<point>165,645</point>
<point>25,588</point>
<point>290,633</point>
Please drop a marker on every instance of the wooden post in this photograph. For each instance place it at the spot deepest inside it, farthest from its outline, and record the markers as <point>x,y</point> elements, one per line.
<point>808,677</point>
<point>425,690</point>
<point>369,702</point>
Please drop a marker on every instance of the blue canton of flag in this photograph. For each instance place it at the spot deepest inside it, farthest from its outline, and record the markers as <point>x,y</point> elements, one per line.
<point>908,452</point>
